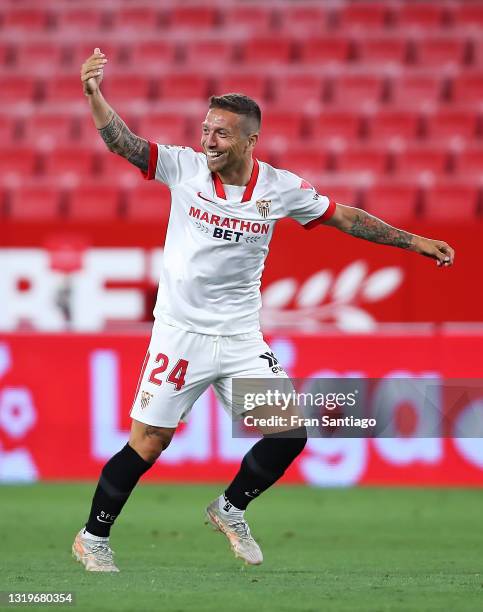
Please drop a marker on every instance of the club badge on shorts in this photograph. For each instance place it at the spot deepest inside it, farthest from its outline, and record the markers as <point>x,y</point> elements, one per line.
<point>145,399</point>
<point>263,207</point>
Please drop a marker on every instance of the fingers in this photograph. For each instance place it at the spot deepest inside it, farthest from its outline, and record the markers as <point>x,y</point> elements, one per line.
<point>444,255</point>
<point>93,66</point>
<point>97,59</point>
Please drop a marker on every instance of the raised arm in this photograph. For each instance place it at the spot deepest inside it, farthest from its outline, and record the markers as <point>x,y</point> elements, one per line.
<point>115,133</point>
<point>360,224</point>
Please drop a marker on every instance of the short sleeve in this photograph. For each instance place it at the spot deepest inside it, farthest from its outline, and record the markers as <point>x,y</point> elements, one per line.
<point>304,204</point>
<point>171,164</point>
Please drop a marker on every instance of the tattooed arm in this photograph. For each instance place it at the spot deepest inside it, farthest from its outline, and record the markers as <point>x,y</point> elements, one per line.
<point>360,224</point>
<point>115,133</point>
<point>119,139</point>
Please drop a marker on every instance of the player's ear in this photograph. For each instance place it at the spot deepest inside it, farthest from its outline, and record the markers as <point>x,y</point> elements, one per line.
<point>252,140</point>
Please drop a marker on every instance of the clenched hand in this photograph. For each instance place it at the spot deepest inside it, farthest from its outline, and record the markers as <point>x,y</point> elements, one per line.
<point>437,249</point>
<point>92,72</point>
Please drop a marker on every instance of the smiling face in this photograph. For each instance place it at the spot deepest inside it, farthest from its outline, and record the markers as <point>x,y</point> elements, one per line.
<point>227,140</point>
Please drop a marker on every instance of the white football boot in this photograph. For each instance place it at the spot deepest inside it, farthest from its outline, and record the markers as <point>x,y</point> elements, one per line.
<point>95,555</point>
<point>237,531</point>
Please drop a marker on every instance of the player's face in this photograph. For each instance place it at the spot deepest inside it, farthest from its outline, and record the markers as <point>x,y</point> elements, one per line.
<point>224,140</point>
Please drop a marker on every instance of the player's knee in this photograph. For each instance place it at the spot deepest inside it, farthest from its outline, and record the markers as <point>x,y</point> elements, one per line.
<point>151,441</point>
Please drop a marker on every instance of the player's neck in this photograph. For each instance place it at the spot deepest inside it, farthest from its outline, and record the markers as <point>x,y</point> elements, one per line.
<point>239,175</point>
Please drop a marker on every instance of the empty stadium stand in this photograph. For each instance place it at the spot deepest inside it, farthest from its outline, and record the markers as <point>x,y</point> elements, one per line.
<point>377,101</point>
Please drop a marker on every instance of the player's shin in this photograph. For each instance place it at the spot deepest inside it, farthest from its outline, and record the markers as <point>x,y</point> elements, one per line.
<point>262,466</point>
<point>118,478</point>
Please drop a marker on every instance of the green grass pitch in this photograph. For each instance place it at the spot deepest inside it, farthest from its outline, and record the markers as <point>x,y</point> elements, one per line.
<point>371,549</point>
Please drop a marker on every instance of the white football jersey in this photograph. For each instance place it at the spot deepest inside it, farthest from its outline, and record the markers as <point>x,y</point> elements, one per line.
<point>218,236</point>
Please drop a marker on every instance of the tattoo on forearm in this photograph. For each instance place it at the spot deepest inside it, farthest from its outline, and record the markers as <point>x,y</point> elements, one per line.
<point>119,139</point>
<point>370,228</point>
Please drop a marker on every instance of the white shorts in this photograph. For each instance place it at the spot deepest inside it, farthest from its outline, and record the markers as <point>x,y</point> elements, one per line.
<point>180,365</point>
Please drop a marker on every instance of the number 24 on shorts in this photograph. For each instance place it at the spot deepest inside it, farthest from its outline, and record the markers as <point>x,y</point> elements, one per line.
<point>177,375</point>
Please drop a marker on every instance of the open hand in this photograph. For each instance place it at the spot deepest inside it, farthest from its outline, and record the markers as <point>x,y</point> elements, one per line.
<point>92,72</point>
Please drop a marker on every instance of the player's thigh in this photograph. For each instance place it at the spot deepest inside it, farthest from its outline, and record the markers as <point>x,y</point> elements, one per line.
<point>176,370</point>
<point>250,369</point>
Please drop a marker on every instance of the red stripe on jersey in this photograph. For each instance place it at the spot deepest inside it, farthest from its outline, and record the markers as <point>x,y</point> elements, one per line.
<point>153,162</point>
<point>325,217</point>
<point>247,194</point>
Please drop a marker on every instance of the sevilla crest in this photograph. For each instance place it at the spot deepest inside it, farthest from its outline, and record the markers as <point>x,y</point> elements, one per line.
<point>263,207</point>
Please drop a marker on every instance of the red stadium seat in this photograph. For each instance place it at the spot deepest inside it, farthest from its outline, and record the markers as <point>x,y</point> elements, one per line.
<point>3,203</point>
<point>253,18</point>
<point>17,89</point>
<point>5,52</point>
<point>21,161</point>
<point>468,88</point>
<point>336,189</point>
<point>452,123</point>
<point>254,85</point>
<point>451,202</point>
<point>212,52</point>
<point>137,18</point>
<point>8,127</point>
<point>417,89</point>
<point>382,49</point>
<point>148,202</point>
<point>184,86</point>
<point>68,88</point>
<point>357,89</point>
<point>25,20</point>
<point>389,125</point>
<point>35,202</point>
<point>298,90</point>
<point>45,56</point>
<point>469,14</point>
<point>325,50</point>
<point>48,128</point>
<point>128,86</point>
<point>305,18</point>
<point>94,202</point>
<point>469,162</point>
<point>166,128</point>
<point>476,53</point>
<point>282,127</point>
<point>78,19</point>
<point>193,17</point>
<point>117,170</point>
<point>441,51</point>
<point>268,153</point>
<point>362,158</point>
<point>422,15</point>
<point>363,15</point>
<point>305,159</point>
<point>266,50</point>
<point>416,159</point>
<point>152,52</point>
<point>80,51</point>
<point>392,201</point>
<point>88,135</point>
<point>69,161</point>
<point>330,125</point>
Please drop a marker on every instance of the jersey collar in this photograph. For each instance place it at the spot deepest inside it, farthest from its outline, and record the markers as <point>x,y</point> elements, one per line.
<point>247,195</point>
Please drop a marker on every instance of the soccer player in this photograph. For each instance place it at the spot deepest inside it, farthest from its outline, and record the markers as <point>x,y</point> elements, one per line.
<point>225,204</point>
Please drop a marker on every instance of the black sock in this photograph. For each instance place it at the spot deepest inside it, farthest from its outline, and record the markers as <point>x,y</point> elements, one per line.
<point>118,478</point>
<point>264,464</point>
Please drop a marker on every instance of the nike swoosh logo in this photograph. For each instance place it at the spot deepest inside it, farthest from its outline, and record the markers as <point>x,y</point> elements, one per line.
<point>103,521</point>
<point>249,494</point>
<point>200,195</point>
